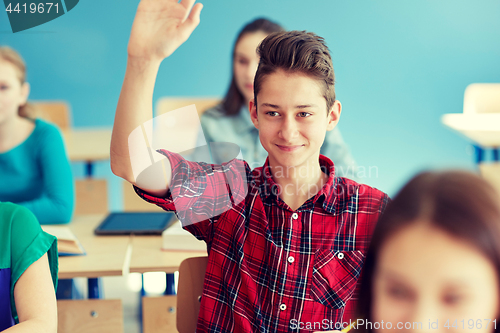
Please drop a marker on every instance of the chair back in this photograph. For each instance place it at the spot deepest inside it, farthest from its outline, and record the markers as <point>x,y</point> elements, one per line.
<point>158,314</point>
<point>191,278</point>
<point>90,316</point>
<point>56,112</point>
<point>91,196</point>
<point>482,98</point>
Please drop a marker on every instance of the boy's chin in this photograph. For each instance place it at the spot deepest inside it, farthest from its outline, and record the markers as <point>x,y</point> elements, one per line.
<point>294,160</point>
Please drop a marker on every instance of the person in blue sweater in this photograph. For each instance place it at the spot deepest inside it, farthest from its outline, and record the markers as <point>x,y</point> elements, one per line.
<point>34,168</point>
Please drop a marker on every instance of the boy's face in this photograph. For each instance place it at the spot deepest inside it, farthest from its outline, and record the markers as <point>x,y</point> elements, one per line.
<point>292,118</point>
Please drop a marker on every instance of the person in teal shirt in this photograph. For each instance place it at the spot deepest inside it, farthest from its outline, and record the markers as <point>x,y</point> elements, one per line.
<point>28,272</point>
<point>34,168</point>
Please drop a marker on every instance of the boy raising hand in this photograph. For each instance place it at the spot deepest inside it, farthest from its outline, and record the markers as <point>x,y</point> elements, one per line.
<point>286,241</point>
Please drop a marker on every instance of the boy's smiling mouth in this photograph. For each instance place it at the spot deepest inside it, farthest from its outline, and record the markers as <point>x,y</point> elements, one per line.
<point>289,147</point>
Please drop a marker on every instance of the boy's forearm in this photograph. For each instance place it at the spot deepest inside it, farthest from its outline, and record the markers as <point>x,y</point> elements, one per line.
<point>135,107</point>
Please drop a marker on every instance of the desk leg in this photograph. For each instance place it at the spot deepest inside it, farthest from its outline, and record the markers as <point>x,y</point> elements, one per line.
<point>141,294</point>
<point>479,154</point>
<point>169,290</point>
<point>66,289</point>
<point>170,287</point>
<point>95,288</point>
<point>89,169</point>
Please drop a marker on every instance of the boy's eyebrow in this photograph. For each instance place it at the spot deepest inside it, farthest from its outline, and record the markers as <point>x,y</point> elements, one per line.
<point>305,106</point>
<point>274,106</point>
<point>302,106</point>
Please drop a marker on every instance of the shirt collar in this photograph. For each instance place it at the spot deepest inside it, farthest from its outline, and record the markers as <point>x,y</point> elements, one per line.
<point>270,190</point>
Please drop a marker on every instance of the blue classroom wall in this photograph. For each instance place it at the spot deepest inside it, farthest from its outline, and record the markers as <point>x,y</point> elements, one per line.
<point>399,65</point>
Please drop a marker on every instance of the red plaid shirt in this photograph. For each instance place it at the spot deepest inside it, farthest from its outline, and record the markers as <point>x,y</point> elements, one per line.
<point>271,269</point>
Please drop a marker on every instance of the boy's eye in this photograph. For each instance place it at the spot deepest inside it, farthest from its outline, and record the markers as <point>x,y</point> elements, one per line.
<point>304,114</point>
<point>3,87</point>
<point>272,113</point>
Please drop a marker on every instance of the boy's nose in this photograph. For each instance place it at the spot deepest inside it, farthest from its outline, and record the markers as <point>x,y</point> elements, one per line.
<point>289,129</point>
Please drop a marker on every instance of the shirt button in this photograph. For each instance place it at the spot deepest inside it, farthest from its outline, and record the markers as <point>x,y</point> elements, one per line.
<point>283,307</point>
<point>295,216</point>
<point>340,255</point>
<point>275,190</point>
<point>291,259</point>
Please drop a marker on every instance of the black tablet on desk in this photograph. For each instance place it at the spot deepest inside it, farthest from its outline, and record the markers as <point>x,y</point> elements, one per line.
<point>135,223</point>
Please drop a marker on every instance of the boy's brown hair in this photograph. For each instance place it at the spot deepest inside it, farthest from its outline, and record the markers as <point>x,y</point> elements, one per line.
<point>296,51</point>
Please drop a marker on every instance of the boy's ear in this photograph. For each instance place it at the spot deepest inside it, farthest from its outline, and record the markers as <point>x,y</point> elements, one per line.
<point>334,115</point>
<point>253,113</point>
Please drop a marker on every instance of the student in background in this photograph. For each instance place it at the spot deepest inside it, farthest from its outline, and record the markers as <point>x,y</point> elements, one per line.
<point>28,273</point>
<point>434,259</point>
<point>230,121</point>
<point>34,168</point>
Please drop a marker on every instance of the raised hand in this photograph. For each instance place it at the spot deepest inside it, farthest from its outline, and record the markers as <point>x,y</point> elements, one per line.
<point>161,26</point>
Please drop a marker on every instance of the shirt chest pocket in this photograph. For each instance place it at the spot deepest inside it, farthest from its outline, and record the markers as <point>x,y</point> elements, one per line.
<point>334,278</point>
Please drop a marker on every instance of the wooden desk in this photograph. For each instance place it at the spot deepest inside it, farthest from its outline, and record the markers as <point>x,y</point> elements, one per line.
<point>147,256</point>
<point>118,255</point>
<point>483,129</point>
<point>106,255</point>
